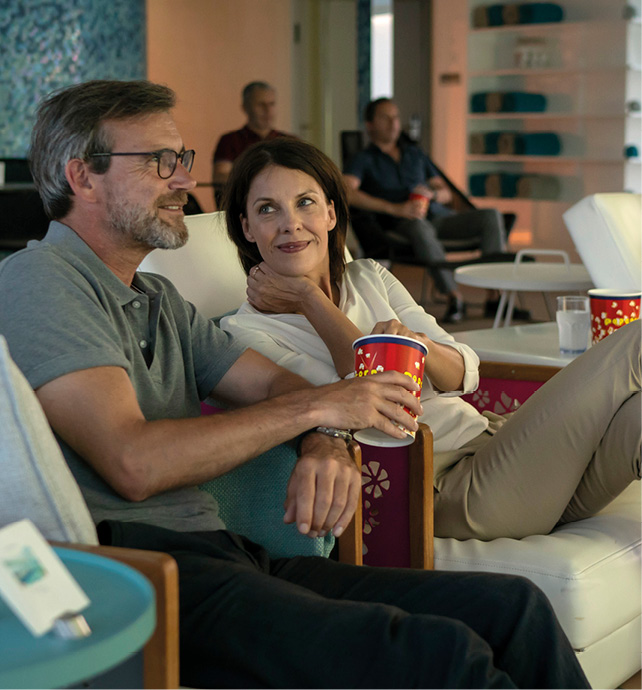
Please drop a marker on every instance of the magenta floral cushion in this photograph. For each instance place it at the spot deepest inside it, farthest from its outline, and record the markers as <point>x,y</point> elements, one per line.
<point>501,395</point>
<point>384,476</point>
<point>385,493</point>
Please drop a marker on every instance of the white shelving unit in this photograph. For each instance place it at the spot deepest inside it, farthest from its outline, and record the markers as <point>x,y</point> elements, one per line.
<point>589,68</point>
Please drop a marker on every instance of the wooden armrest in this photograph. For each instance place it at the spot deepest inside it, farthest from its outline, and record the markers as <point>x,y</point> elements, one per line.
<point>516,372</point>
<point>351,541</point>
<point>421,504</point>
<point>161,653</point>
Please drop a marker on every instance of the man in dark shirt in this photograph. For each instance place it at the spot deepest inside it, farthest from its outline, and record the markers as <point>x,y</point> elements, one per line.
<point>259,104</point>
<point>381,180</point>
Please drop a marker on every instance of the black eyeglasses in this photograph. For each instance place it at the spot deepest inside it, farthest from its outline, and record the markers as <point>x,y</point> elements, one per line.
<point>166,159</point>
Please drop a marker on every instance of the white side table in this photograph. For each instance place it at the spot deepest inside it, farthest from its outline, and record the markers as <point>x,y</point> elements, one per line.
<point>535,343</point>
<point>510,278</point>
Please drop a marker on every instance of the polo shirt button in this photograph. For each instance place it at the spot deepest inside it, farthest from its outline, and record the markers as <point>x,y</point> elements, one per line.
<point>143,343</point>
<point>136,304</point>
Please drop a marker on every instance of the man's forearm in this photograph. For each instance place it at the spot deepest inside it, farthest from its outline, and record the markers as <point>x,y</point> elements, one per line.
<point>167,454</point>
<point>442,191</point>
<point>367,202</point>
<point>96,412</point>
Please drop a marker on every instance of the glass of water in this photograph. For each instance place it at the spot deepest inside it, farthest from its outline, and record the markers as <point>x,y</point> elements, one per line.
<point>573,324</point>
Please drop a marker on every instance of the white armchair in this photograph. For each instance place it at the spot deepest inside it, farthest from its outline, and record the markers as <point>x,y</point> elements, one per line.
<point>607,233</point>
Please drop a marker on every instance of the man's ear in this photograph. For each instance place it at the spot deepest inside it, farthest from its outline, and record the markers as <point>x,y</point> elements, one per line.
<point>246,229</point>
<point>80,179</point>
<point>332,216</point>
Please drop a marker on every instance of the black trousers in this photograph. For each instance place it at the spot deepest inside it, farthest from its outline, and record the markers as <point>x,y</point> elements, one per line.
<point>252,622</point>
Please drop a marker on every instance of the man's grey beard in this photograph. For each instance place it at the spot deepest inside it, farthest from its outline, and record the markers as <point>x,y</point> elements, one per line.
<point>145,228</point>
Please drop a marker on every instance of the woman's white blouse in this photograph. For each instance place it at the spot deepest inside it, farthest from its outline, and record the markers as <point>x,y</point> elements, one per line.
<point>369,293</point>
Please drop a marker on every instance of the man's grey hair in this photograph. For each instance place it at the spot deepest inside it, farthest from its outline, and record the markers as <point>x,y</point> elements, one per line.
<point>252,87</point>
<point>70,124</point>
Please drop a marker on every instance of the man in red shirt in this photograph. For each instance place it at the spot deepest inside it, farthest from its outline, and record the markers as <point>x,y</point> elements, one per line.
<point>259,104</point>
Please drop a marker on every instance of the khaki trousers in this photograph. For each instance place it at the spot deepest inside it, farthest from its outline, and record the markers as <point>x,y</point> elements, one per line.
<point>568,451</point>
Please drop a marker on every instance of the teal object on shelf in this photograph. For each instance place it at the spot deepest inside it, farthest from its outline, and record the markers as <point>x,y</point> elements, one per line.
<point>508,102</point>
<point>495,15</point>
<point>508,185</point>
<point>484,143</point>
<point>477,184</point>
<point>540,13</point>
<point>523,102</point>
<point>538,144</point>
<point>504,185</point>
<point>122,617</point>
<point>490,142</point>
<point>478,103</point>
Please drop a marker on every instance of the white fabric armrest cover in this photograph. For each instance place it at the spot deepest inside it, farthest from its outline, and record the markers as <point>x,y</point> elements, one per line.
<point>606,230</point>
<point>36,481</point>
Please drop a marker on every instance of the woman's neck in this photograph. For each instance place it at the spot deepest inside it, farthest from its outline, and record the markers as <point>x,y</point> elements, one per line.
<point>329,289</point>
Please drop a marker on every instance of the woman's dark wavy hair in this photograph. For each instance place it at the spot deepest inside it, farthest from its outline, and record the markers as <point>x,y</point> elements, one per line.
<point>295,154</point>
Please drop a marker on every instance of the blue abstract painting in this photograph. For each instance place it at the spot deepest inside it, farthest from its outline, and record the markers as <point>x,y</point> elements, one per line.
<point>49,44</point>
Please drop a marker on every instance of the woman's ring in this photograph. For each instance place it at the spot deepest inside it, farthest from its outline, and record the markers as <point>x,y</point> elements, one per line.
<point>254,272</point>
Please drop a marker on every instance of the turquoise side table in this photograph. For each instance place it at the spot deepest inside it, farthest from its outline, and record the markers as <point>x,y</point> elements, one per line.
<point>122,617</point>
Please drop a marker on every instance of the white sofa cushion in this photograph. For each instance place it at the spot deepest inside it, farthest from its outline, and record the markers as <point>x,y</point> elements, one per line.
<point>36,481</point>
<point>206,271</point>
<point>590,569</point>
<point>606,230</point>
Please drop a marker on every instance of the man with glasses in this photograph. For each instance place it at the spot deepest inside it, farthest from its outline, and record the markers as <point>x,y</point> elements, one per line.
<point>120,362</point>
<point>165,158</point>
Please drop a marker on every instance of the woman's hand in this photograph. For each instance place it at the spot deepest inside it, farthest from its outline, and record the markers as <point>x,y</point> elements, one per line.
<point>271,292</point>
<point>444,365</point>
<point>394,327</point>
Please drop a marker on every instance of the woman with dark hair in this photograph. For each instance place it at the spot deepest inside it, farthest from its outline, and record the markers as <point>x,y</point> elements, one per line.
<point>495,476</point>
<point>297,156</point>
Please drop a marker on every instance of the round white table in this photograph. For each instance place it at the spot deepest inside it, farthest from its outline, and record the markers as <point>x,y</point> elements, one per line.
<point>533,343</point>
<point>510,278</point>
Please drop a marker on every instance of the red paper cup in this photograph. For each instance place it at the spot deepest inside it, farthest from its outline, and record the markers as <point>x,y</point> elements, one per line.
<point>612,309</point>
<point>374,354</point>
<point>415,196</point>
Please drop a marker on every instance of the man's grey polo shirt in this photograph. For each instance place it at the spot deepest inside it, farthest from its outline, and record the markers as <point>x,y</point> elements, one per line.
<point>63,310</point>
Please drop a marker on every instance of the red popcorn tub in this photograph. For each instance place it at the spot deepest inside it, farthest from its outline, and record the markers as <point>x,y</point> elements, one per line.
<point>422,199</point>
<point>612,309</point>
<point>378,353</point>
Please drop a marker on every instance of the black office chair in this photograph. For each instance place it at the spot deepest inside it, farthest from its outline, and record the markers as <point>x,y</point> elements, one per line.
<point>22,214</point>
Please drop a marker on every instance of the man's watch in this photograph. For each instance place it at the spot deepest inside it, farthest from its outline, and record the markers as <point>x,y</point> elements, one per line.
<point>336,433</point>
<point>328,431</point>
